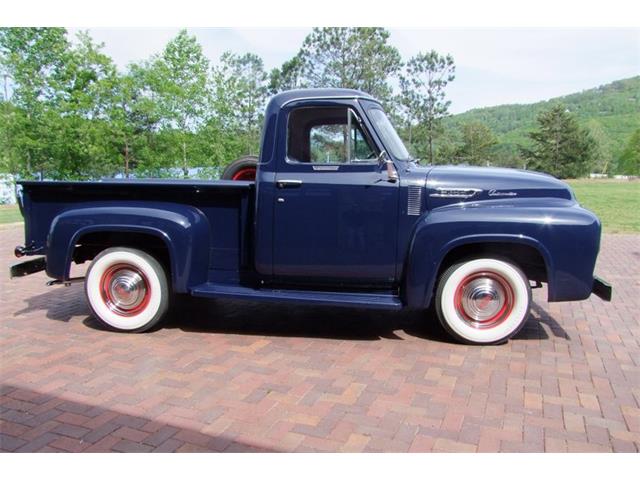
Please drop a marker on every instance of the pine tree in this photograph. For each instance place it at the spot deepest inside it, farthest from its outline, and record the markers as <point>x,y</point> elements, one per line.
<point>629,162</point>
<point>560,146</point>
<point>477,142</point>
<point>422,95</point>
<point>349,57</point>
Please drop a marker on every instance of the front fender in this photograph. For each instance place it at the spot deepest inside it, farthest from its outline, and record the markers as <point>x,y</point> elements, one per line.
<point>566,236</point>
<point>184,230</point>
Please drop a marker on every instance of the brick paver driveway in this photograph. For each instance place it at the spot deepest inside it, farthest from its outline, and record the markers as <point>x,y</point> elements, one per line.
<point>244,377</point>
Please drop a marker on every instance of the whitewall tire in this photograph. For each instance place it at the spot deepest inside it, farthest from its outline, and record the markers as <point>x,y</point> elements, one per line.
<point>483,301</point>
<point>127,289</point>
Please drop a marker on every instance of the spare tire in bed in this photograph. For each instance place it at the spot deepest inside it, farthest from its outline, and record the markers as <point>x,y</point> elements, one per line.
<point>243,168</point>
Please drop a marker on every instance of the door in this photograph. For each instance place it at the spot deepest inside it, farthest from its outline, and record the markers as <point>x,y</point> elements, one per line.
<point>335,211</point>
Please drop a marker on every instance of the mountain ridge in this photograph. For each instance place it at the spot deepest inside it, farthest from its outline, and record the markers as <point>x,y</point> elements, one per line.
<point>612,108</point>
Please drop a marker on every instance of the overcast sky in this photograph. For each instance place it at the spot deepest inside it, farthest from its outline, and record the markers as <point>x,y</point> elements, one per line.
<point>494,66</point>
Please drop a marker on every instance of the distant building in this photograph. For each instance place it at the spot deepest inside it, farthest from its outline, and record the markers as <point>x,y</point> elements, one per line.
<point>7,189</point>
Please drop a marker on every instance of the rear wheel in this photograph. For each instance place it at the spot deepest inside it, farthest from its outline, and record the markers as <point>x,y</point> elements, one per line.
<point>127,289</point>
<point>241,169</point>
<point>483,301</point>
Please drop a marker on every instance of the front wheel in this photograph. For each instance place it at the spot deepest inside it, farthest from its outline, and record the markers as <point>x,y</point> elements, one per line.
<point>483,301</point>
<point>127,290</point>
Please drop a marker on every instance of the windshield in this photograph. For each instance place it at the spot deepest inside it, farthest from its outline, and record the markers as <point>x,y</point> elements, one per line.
<point>389,135</point>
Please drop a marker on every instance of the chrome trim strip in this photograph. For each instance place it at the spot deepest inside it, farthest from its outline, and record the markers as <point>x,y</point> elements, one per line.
<point>326,168</point>
<point>338,97</point>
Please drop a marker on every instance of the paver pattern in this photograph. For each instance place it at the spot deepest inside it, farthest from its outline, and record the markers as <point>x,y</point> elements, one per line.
<point>248,377</point>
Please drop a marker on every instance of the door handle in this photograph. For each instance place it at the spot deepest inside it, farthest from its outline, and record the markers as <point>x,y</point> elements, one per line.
<point>288,183</point>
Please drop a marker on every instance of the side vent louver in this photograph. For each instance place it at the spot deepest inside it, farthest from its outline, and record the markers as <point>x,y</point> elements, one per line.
<point>414,204</point>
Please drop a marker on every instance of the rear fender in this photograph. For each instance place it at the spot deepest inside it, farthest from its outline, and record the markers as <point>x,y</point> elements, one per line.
<point>184,230</point>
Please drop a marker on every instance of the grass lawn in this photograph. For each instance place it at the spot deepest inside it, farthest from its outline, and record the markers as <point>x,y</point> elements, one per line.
<point>9,214</point>
<point>616,202</point>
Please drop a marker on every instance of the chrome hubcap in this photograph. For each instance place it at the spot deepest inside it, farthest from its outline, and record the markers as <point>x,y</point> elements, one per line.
<point>125,290</point>
<point>484,299</point>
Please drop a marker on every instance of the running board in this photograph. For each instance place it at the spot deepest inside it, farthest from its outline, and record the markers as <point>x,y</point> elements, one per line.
<point>336,299</point>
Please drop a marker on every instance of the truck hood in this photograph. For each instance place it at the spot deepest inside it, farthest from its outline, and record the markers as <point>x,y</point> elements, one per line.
<point>453,184</point>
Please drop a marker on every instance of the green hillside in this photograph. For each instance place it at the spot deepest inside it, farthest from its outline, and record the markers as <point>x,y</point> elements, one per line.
<point>614,108</point>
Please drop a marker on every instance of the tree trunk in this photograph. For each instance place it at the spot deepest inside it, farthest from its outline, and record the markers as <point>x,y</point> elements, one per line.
<point>126,159</point>
<point>185,170</point>
<point>430,143</point>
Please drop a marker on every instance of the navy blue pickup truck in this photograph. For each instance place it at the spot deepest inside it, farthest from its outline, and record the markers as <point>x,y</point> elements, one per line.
<point>333,212</point>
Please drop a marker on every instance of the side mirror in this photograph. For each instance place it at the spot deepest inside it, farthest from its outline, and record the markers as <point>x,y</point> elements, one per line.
<point>392,173</point>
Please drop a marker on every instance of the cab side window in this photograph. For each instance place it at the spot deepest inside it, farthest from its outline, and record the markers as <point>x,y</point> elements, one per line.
<point>327,135</point>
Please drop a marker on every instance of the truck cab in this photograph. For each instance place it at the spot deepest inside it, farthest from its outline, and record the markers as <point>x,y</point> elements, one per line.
<point>338,214</point>
<point>327,208</point>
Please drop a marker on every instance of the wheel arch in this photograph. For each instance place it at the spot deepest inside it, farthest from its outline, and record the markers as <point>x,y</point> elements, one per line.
<point>526,252</point>
<point>101,237</point>
<point>183,233</point>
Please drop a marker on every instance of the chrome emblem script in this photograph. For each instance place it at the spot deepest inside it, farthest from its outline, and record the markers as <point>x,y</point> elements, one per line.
<point>496,193</point>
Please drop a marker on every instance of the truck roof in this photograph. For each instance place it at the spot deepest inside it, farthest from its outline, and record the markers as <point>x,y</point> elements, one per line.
<point>283,98</point>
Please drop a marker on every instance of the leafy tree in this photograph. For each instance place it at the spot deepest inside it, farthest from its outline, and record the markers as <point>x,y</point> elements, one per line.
<point>83,100</point>
<point>241,89</point>
<point>506,155</point>
<point>177,82</point>
<point>477,143</point>
<point>133,119</point>
<point>602,153</point>
<point>33,59</point>
<point>629,162</point>
<point>350,57</point>
<point>59,125</point>
<point>446,146</point>
<point>287,77</point>
<point>422,96</point>
<point>560,146</point>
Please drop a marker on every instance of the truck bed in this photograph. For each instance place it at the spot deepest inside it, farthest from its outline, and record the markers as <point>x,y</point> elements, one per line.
<point>227,205</point>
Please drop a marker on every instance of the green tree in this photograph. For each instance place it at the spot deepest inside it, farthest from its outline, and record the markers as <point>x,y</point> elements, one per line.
<point>177,83</point>
<point>133,120</point>
<point>422,96</point>
<point>446,146</point>
<point>629,162</point>
<point>33,60</point>
<point>560,146</point>
<point>506,155</point>
<point>58,126</point>
<point>83,147</point>
<point>350,57</point>
<point>477,143</point>
<point>241,89</point>
<point>602,154</point>
<point>287,77</point>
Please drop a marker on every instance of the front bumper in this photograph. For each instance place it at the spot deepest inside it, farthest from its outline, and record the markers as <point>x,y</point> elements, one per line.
<point>602,289</point>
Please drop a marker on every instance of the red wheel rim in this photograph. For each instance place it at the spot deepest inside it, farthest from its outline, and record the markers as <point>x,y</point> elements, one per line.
<point>484,299</point>
<point>125,289</point>
<point>248,174</point>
